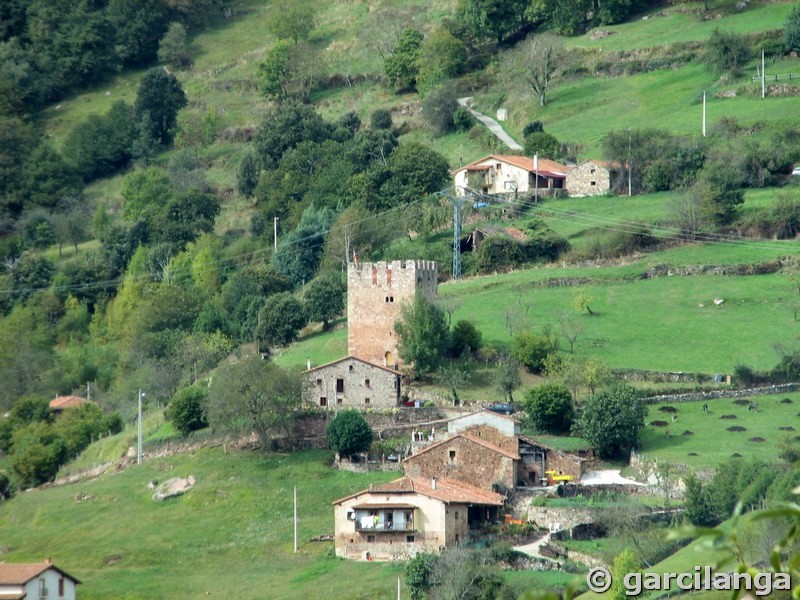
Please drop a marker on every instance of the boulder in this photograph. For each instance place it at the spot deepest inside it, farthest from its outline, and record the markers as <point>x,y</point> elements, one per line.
<point>171,488</point>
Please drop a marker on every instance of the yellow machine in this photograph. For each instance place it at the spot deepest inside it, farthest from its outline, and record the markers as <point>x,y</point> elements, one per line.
<point>554,477</point>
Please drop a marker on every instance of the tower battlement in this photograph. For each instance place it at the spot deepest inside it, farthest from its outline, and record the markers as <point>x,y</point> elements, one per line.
<point>375,293</point>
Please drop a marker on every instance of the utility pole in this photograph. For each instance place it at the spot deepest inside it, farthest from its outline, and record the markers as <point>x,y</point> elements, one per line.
<point>139,445</point>
<point>295,518</point>
<point>704,114</point>
<point>763,76</point>
<point>536,178</point>
<point>275,233</point>
<point>630,193</point>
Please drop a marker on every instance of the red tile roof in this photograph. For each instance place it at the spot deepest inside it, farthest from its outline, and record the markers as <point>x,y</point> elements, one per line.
<point>469,438</point>
<point>546,166</point>
<point>65,402</point>
<point>446,490</point>
<point>22,573</point>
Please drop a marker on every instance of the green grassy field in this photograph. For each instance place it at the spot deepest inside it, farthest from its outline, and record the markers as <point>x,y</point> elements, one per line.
<point>231,536</point>
<point>711,440</point>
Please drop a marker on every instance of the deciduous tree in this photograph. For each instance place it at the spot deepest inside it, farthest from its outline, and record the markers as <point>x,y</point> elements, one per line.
<point>549,408</point>
<point>349,433</point>
<point>423,335</point>
<point>612,420</point>
<point>254,396</point>
<point>161,96</point>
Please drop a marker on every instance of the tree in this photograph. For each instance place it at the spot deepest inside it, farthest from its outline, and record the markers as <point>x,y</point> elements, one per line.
<point>791,30</point>
<point>37,453</point>
<point>550,409</point>
<point>442,56</point>
<point>401,66</point>
<point>197,129</point>
<point>281,319</point>
<point>254,396</point>
<point>438,109</point>
<point>464,339</point>
<point>349,433</point>
<point>300,251</point>
<point>294,21</point>
<point>540,62</point>
<point>506,377</point>
<point>532,350</point>
<point>418,574</point>
<point>500,18</point>
<point>248,173</point>
<point>174,47</point>
<point>160,96</point>
<point>49,179</point>
<point>422,333</point>
<point>542,144</point>
<point>624,563</point>
<point>186,409</point>
<point>381,118</point>
<point>273,72</point>
<point>727,53</point>
<point>570,328</point>
<point>611,421</point>
<point>325,298</point>
<point>283,128</point>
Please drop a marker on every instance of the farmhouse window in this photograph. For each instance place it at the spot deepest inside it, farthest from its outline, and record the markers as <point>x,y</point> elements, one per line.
<point>366,400</point>
<point>323,401</point>
<point>371,539</point>
<point>60,587</point>
<point>593,171</point>
<point>340,385</point>
<point>350,368</point>
<point>452,457</point>
<point>319,381</point>
<point>410,539</point>
<point>593,183</point>
<point>338,401</point>
<point>366,382</point>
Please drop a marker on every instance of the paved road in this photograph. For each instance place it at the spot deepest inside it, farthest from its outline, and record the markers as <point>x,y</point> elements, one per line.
<point>493,125</point>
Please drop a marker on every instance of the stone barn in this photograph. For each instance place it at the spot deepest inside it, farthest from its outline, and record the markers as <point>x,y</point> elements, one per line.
<point>590,178</point>
<point>375,293</point>
<point>351,382</point>
<point>396,520</point>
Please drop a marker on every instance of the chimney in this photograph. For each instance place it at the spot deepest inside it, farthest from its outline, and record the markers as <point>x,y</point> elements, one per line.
<point>48,561</point>
<point>433,483</point>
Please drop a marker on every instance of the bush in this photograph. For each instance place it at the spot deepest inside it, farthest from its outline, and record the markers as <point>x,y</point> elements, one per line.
<point>438,109</point>
<point>727,52</point>
<point>186,410</point>
<point>462,119</point>
<point>349,433</point>
<point>549,408</point>
<point>465,337</point>
<point>381,119</point>
<point>532,350</point>
<point>6,487</point>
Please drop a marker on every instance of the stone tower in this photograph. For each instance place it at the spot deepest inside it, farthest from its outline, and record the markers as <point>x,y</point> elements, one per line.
<point>375,293</point>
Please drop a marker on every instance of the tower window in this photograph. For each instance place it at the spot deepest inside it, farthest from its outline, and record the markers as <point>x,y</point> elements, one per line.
<point>374,275</point>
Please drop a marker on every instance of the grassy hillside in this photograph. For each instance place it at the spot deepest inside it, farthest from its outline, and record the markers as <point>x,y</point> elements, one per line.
<point>228,537</point>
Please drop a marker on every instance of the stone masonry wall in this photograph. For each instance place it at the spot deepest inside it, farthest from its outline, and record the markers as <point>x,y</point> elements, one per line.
<point>490,434</point>
<point>375,293</point>
<point>362,386</point>
<point>564,464</point>
<point>588,179</point>
<point>471,464</point>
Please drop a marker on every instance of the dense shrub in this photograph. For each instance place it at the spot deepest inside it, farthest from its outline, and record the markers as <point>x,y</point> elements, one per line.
<point>186,409</point>
<point>349,433</point>
<point>381,119</point>
<point>464,338</point>
<point>533,350</point>
<point>549,408</point>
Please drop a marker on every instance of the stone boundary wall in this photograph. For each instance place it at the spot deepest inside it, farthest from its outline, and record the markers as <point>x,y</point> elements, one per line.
<point>783,388</point>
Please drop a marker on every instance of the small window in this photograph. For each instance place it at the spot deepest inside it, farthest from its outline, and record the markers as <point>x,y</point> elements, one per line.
<point>410,539</point>
<point>319,381</point>
<point>340,386</point>
<point>323,401</point>
<point>452,457</point>
<point>391,299</point>
<point>366,382</point>
<point>458,538</point>
<point>593,171</point>
<point>338,401</point>
<point>456,517</point>
<point>61,586</point>
<point>350,368</point>
<point>42,588</point>
<point>499,166</point>
<point>366,400</point>
<point>371,539</point>
<point>593,183</point>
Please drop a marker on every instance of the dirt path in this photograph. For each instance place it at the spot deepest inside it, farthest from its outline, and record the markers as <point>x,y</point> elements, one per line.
<point>493,125</point>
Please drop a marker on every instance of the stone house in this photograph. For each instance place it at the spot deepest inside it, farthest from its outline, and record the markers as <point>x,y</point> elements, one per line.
<point>351,382</point>
<point>396,520</point>
<point>468,459</point>
<point>375,293</point>
<point>590,178</point>
<point>499,439</point>
<point>42,581</point>
<point>510,175</point>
